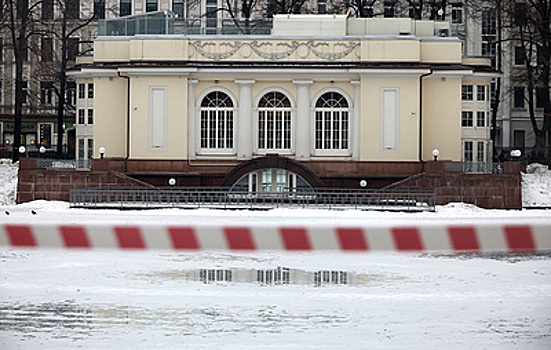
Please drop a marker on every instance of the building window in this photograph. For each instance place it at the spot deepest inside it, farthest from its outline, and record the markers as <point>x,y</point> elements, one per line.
<point>274,122</point>
<point>72,48</point>
<point>481,93</point>
<point>322,6</point>
<point>271,180</point>
<point>99,9</point>
<point>468,151</point>
<point>467,92</point>
<point>518,97</point>
<point>24,92</point>
<point>125,8</point>
<point>73,9</point>
<point>540,97</point>
<point>211,12</point>
<point>331,122</point>
<point>46,92</point>
<point>90,116</point>
<point>330,277</point>
<point>520,55</point>
<point>480,152</point>
<point>81,88</point>
<point>467,119</point>
<point>71,96</point>
<point>389,8</point>
<point>90,90</point>
<point>45,135</point>
<point>178,8</point>
<point>47,9</point>
<point>215,275</point>
<point>519,139</point>
<point>151,5</point>
<point>80,116</point>
<point>1,49</point>
<point>275,276</point>
<point>217,121</point>
<point>480,119</point>
<point>47,49</point>
<point>81,149</point>
<point>457,13</point>
<point>90,148</point>
<point>489,22</point>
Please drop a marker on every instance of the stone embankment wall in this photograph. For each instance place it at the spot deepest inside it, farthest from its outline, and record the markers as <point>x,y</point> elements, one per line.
<point>492,191</point>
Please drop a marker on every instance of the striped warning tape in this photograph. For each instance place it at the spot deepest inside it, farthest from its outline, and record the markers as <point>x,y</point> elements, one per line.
<point>479,238</point>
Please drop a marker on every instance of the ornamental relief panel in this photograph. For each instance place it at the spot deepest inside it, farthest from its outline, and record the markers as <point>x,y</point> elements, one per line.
<point>311,50</point>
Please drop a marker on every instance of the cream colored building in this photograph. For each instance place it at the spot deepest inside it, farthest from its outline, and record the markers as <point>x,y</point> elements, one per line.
<point>322,101</point>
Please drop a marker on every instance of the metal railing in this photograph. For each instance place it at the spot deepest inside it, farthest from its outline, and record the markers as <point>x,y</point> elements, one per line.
<point>224,198</point>
<point>474,167</point>
<point>63,164</point>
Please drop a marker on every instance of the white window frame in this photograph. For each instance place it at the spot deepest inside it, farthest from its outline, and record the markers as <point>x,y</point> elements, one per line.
<point>291,110</point>
<point>198,116</point>
<point>350,110</point>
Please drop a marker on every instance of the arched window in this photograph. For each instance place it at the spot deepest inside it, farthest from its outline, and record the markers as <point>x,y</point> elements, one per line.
<point>216,121</point>
<point>272,180</point>
<point>274,122</point>
<point>332,122</point>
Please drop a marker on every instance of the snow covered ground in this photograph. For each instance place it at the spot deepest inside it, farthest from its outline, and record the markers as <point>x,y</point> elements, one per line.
<point>150,300</point>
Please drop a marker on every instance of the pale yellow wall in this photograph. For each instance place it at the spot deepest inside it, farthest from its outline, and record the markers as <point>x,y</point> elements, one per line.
<point>158,50</point>
<point>408,124</point>
<point>110,116</point>
<point>111,50</point>
<point>391,50</point>
<point>177,110</point>
<point>441,51</point>
<point>442,118</point>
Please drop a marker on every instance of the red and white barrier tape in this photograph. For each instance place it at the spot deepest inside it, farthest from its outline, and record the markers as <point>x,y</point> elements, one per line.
<point>480,238</point>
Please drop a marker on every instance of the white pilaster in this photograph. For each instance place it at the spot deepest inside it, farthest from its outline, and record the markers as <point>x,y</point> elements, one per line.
<point>244,137</point>
<point>192,121</point>
<point>303,131</point>
<point>355,132</point>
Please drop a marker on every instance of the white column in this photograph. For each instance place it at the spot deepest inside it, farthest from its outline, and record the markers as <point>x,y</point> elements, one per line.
<point>244,136</point>
<point>302,133</point>
<point>356,115</point>
<point>192,121</point>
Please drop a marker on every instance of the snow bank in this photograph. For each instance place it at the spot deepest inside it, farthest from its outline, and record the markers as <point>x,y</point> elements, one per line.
<point>536,186</point>
<point>8,181</point>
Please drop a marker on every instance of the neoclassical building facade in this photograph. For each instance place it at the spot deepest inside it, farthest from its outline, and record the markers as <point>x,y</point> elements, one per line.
<point>322,101</point>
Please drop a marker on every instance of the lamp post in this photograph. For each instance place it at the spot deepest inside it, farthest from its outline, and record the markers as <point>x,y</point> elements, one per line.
<point>435,154</point>
<point>363,183</point>
<point>101,152</point>
<point>172,182</point>
<point>515,154</point>
<point>42,150</point>
<point>22,150</point>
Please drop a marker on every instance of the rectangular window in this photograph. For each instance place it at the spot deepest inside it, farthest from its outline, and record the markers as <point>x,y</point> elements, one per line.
<point>481,92</point>
<point>25,92</point>
<point>322,6</point>
<point>519,139</point>
<point>80,116</point>
<point>47,49</point>
<point>151,5</point>
<point>73,9</point>
<point>158,117</point>
<point>457,13</point>
<point>540,97</point>
<point>178,8</point>
<point>1,49</point>
<point>211,9</point>
<point>72,48</point>
<point>389,119</point>
<point>520,55</point>
<point>80,148</point>
<point>90,90</point>
<point>467,119</point>
<point>45,134</point>
<point>90,148</point>
<point>71,96</point>
<point>90,116</point>
<point>126,8</point>
<point>518,98</point>
<point>47,9</point>
<point>480,152</point>
<point>468,151</point>
<point>99,9</point>
<point>467,92</point>
<point>480,119</point>
<point>81,88</point>
<point>389,10</point>
<point>412,12</point>
<point>46,93</point>
<point>489,22</point>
